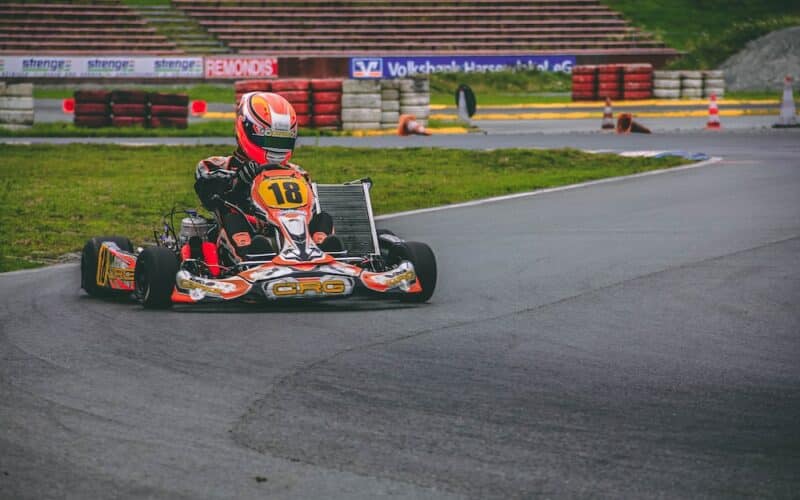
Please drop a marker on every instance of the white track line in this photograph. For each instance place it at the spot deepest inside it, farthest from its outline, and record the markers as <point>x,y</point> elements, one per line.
<point>538,192</point>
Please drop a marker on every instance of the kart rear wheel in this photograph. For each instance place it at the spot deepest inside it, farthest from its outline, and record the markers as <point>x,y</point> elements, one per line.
<point>424,262</point>
<point>89,263</point>
<point>155,273</point>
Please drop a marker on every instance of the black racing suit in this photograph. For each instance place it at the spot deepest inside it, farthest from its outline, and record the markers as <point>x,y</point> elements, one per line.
<point>217,176</point>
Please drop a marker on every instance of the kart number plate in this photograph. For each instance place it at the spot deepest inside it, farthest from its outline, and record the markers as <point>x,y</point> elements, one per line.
<point>283,192</point>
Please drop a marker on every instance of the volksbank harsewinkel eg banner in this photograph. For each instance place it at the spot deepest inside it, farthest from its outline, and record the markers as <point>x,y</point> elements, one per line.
<point>402,67</point>
<point>102,67</point>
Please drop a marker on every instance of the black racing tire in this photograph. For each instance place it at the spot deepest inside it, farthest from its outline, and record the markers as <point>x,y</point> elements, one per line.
<point>155,273</point>
<point>424,262</point>
<point>89,263</point>
<point>156,98</point>
<point>385,246</point>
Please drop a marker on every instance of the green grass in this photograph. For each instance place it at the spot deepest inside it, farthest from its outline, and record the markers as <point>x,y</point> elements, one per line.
<point>55,197</point>
<point>708,30</point>
<point>209,128</point>
<point>774,95</point>
<point>503,87</point>
<point>490,99</point>
<point>209,92</point>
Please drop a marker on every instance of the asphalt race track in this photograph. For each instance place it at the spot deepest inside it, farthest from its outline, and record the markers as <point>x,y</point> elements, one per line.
<point>633,339</point>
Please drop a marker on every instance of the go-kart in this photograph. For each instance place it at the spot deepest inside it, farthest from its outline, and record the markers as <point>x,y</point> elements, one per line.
<point>309,241</point>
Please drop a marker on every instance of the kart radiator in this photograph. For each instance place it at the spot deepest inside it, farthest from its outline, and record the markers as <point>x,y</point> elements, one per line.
<point>351,209</point>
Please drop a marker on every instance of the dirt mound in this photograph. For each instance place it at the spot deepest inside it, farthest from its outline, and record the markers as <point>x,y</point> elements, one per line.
<point>765,61</point>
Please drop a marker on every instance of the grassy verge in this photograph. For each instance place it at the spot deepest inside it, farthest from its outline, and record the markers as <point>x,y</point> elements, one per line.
<point>66,194</point>
<point>503,87</point>
<point>708,30</point>
<point>209,128</point>
<point>209,92</point>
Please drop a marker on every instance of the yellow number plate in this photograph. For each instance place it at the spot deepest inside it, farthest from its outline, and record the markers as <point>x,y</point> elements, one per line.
<point>283,192</point>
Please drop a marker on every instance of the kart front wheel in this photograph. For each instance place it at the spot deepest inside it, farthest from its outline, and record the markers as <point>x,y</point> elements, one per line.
<point>155,273</point>
<point>424,262</point>
<point>89,255</point>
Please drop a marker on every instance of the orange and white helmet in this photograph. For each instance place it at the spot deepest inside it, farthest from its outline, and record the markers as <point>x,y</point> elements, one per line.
<point>266,128</point>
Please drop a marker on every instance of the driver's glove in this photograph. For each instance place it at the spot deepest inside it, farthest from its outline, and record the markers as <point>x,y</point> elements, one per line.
<point>249,171</point>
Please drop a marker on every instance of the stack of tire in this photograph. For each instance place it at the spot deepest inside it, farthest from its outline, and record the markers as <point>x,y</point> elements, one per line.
<point>609,81</point>
<point>667,84</point>
<point>128,108</point>
<point>92,108</point>
<point>691,84</point>
<point>713,83</point>
<point>584,83</point>
<point>390,103</point>
<point>361,104</point>
<point>16,105</point>
<point>242,87</point>
<point>638,81</point>
<point>298,93</point>
<point>168,110</point>
<point>326,103</point>
<point>415,99</point>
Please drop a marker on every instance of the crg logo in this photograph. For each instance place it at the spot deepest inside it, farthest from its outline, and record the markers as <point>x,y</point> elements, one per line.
<point>366,67</point>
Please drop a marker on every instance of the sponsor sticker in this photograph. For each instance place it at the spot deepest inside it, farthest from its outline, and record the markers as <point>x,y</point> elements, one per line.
<point>241,67</point>
<point>403,67</point>
<point>46,66</point>
<point>326,286</point>
<point>106,67</point>
<point>178,67</point>
<point>110,67</point>
<point>366,67</point>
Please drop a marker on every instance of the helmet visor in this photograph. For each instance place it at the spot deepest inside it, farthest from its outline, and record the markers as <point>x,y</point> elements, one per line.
<point>277,140</point>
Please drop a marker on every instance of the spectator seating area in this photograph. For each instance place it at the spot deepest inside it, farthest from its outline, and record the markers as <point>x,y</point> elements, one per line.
<point>81,29</point>
<point>338,28</point>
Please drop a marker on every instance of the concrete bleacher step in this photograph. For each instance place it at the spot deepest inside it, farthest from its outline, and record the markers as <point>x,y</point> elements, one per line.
<point>329,27</point>
<point>70,27</point>
<point>182,30</point>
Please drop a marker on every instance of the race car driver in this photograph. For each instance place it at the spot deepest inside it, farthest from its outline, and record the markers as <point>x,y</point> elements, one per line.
<point>266,131</point>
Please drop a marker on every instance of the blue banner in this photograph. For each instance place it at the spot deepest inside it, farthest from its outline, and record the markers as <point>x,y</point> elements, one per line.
<point>404,67</point>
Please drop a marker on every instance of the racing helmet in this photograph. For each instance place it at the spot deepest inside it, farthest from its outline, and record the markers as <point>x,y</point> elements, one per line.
<point>266,128</point>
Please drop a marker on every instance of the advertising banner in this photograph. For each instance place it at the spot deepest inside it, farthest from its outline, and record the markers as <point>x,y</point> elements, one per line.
<point>100,67</point>
<point>241,67</point>
<point>403,67</point>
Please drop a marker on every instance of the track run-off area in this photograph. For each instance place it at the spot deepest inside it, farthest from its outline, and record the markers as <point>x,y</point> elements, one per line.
<point>628,339</point>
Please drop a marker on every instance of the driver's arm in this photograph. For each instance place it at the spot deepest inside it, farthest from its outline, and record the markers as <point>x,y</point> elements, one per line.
<point>213,176</point>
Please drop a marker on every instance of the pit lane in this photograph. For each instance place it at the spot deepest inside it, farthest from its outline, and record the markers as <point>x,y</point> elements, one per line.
<point>630,339</point>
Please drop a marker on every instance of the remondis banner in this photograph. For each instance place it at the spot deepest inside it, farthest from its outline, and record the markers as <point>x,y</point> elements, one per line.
<point>241,67</point>
<point>100,67</point>
<point>403,67</point>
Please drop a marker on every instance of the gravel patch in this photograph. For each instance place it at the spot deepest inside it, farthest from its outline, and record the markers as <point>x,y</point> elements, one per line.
<point>765,61</point>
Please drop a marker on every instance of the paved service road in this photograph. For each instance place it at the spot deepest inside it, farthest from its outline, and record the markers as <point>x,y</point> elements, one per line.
<point>632,339</point>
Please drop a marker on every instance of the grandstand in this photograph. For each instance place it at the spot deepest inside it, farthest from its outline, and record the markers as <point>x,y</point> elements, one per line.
<point>80,29</point>
<point>384,27</point>
<point>336,28</point>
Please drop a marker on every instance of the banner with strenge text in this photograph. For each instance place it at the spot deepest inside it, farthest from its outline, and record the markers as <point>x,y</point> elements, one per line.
<point>100,67</point>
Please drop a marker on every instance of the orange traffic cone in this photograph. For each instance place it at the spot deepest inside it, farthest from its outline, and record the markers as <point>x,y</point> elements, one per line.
<point>713,114</point>
<point>626,125</point>
<point>608,116</point>
<point>408,125</point>
<point>787,118</point>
